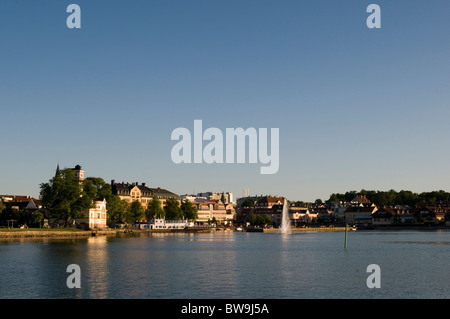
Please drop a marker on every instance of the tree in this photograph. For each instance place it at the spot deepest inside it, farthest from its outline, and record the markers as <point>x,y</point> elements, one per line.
<point>136,212</point>
<point>8,214</point>
<point>260,220</point>
<point>248,203</point>
<point>188,210</point>
<point>36,217</point>
<point>172,209</point>
<point>96,188</point>
<point>154,209</point>
<point>118,210</point>
<point>62,197</point>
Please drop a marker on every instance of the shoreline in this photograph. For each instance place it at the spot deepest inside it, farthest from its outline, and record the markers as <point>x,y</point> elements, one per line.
<point>308,229</point>
<point>121,232</point>
<point>88,233</point>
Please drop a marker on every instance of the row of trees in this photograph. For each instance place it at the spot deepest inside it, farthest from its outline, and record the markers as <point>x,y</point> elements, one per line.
<point>392,197</point>
<point>66,198</point>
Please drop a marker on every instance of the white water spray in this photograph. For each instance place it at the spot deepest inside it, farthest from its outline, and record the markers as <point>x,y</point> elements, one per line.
<point>285,227</point>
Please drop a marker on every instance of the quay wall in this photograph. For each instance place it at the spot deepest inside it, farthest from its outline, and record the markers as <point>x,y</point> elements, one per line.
<point>308,229</point>
<point>54,234</point>
<point>86,233</point>
<point>115,232</point>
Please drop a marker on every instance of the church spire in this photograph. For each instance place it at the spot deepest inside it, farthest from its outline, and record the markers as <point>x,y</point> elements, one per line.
<point>58,171</point>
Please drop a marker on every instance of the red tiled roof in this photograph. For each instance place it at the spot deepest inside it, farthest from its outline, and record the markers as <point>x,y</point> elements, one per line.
<point>361,199</point>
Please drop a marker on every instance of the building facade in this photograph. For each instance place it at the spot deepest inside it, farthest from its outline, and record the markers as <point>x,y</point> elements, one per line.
<point>97,215</point>
<point>140,192</point>
<point>222,213</point>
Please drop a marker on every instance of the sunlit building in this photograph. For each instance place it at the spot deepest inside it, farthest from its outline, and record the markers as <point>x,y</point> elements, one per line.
<point>140,192</point>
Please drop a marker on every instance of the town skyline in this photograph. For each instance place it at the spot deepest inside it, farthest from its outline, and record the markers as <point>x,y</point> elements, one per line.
<point>246,193</point>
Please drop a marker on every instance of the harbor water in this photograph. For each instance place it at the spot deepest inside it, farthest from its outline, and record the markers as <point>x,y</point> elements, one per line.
<point>225,264</point>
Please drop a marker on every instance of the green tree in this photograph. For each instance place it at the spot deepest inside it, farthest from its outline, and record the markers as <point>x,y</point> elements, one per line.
<point>96,188</point>
<point>136,212</point>
<point>154,209</point>
<point>2,212</point>
<point>188,210</point>
<point>260,220</point>
<point>9,214</point>
<point>62,197</point>
<point>118,210</point>
<point>248,203</point>
<point>36,217</point>
<point>172,209</point>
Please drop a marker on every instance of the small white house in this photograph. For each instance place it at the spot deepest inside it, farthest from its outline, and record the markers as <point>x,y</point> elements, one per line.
<point>97,215</point>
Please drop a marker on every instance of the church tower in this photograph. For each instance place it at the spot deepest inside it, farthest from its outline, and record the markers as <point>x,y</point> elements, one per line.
<point>79,173</point>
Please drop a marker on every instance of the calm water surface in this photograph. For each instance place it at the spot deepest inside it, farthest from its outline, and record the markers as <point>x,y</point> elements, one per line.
<point>414,264</point>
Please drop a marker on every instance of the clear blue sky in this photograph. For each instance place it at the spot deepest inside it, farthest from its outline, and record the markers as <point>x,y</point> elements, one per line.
<point>356,107</point>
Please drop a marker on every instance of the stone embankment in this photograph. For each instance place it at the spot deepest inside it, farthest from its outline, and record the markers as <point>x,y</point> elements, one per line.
<point>308,229</point>
<point>115,232</point>
<point>55,233</point>
<point>86,233</point>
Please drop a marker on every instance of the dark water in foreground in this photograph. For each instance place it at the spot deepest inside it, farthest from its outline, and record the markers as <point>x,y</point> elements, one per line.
<point>414,264</point>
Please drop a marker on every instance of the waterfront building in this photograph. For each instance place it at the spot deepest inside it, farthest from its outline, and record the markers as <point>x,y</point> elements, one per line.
<point>140,192</point>
<point>243,214</point>
<point>97,215</point>
<point>210,210</point>
<point>323,214</point>
<point>430,215</point>
<point>338,213</point>
<point>226,197</point>
<point>266,203</point>
<point>298,216</point>
<point>383,216</point>
<point>193,198</point>
<point>19,202</point>
<point>271,206</point>
<point>162,223</point>
<point>359,214</point>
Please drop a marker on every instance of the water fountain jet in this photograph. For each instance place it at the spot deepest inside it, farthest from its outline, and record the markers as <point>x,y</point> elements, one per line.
<point>285,227</point>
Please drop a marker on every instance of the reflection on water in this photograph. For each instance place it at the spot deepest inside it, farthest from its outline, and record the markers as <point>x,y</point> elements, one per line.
<point>97,269</point>
<point>229,265</point>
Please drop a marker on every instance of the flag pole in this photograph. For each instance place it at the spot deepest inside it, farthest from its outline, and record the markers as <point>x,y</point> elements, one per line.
<point>345,242</point>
